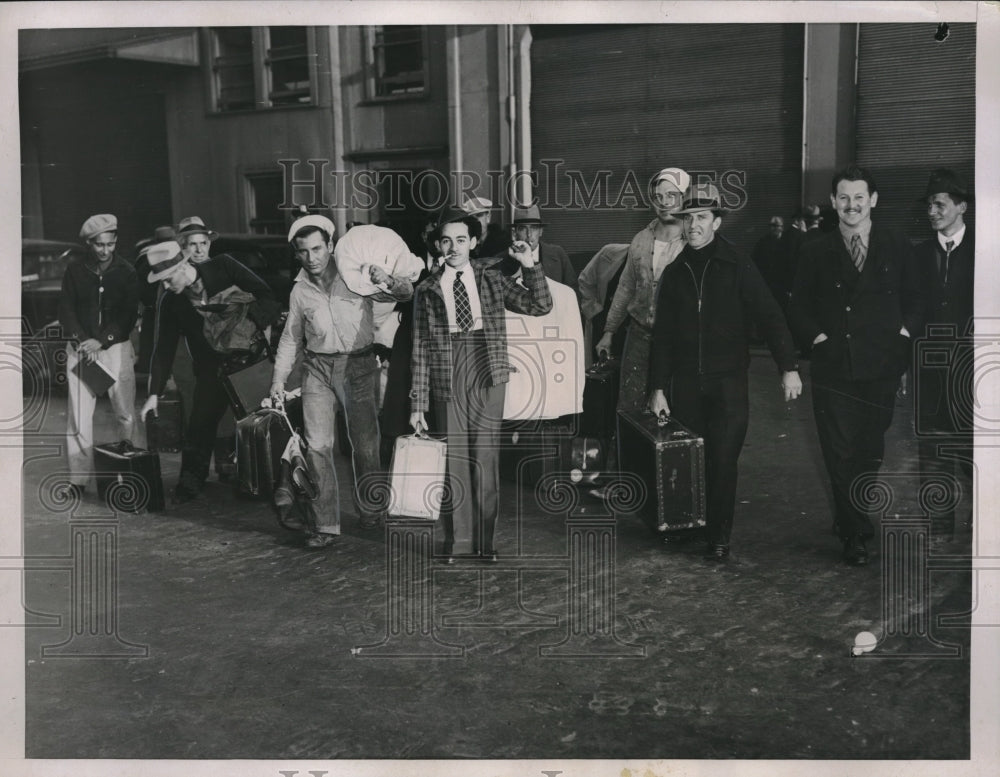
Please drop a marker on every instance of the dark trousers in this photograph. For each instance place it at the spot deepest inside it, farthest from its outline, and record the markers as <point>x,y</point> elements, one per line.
<point>851,419</point>
<point>208,405</point>
<point>717,408</point>
<point>472,425</point>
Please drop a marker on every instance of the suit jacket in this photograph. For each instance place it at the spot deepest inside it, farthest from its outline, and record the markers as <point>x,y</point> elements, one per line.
<point>432,360</point>
<point>861,314</point>
<point>555,261</point>
<point>951,303</point>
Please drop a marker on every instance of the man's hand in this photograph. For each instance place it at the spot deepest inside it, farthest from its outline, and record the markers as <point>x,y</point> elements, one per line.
<point>379,277</point>
<point>277,394</point>
<point>417,422</point>
<point>522,252</point>
<point>603,346</point>
<point>150,404</point>
<point>821,337</point>
<point>88,349</point>
<point>658,403</point>
<point>791,384</point>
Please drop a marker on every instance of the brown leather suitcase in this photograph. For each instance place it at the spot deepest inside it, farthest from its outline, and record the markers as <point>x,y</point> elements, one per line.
<point>261,438</point>
<point>669,460</point>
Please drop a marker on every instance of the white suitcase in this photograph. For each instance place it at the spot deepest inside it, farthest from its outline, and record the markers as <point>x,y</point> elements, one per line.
<point>418,477</point>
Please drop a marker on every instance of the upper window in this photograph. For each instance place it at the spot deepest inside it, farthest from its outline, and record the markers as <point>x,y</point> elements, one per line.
<point>396,60</point>
<point>262,67</point>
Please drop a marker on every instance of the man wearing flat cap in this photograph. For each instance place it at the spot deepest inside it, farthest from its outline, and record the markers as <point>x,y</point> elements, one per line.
<point>460,364</point>
<point>98,305</point>
<point>706,300</point>
<point>857,300</point>
<point>334,327</point>
<point>195,238</point>
<point>947,269</point>
<point>186,290</point>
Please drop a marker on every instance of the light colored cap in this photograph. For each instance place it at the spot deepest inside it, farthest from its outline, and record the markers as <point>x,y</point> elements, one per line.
<point>95,225</point>
<point>476,205</point>
<point>312,220</point>
<point>675,175</point>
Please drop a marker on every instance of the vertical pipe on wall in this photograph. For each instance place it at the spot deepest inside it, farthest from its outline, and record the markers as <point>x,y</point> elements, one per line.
<point>337,107</point>
<point>524,112</point>
<point>511,108</point>
<point>455,99</point>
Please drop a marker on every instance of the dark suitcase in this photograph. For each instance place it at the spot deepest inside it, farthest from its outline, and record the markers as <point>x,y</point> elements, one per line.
<point>261,438</point>
<point>531,450</point>
<point>165,428</point>
<point>247,386</point>
<point>224,454</point>
<point>586,458</point>
<point>670,460</point>
<point>600,400</point>
<point>128,478</point>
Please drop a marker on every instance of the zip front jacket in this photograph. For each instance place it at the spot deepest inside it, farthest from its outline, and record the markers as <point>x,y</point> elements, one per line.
<point>707,302</point>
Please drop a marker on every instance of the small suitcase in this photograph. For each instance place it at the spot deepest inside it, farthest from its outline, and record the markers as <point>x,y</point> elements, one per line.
<point>531,450</point>
<point>416,485</point>
<point>600,400</point>
<point>128,478</point>
<point>246,387</point>
<point>165,428</point>
<point>670,460</point>
<point>586,459</point>
<point>261,438</point>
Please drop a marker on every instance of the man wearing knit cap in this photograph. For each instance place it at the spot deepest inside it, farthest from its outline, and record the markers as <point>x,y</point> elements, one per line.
<point>707,298</point>
<point>334,327</point>
<point>181,303</point>
<point>97,310</point>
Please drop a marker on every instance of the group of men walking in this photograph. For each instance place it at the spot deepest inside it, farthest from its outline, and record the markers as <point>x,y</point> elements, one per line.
<point>688,296</point>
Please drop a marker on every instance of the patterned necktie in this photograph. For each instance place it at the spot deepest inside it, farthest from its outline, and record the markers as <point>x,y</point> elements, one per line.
<point>463,309</point>
<point>857,252</point>
<point>948,247</point>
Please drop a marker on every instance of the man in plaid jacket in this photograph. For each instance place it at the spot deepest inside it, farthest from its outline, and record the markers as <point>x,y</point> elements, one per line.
<point>460,364</point>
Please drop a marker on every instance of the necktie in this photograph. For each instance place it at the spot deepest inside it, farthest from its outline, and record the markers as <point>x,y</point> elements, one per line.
<point>948,246</point>
<point>857,252</point>
<point>463,309</point>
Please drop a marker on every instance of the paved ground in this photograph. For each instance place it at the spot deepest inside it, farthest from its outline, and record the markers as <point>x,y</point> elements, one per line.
<point>251,639</point>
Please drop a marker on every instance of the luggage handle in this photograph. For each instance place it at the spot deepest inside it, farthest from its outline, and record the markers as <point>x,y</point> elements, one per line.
<point>663,420</point>
<point>604,358</point>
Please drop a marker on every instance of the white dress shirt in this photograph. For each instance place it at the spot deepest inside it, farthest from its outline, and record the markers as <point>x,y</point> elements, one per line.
<point>447,285</point>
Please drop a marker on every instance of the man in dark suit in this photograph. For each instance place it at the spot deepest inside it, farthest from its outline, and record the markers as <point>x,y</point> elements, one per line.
<point>460,365</point>
<point>856,299</point>
<point>529,228</point>
<point>944,394</point>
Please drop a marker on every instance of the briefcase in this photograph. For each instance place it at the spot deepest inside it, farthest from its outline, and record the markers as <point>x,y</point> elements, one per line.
<point>416,485</point>
<point>531,450</point>
<point>600,399</point>
<point>128,478</point>
<point>670,460</point>
<point>165,428</point>
<point>261,438</point>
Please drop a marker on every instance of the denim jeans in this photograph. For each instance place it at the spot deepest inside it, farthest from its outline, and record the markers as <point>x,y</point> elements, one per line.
<point>350,381</point>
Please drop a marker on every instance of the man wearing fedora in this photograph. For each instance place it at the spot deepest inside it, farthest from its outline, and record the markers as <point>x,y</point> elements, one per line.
<point>947,267</point>
<point>857,300</point>
<point>528,227</point>
<point>195,239</point>
<point>707,299</point>
<point>460,365</point>
<point>97,309</point>
<point>334,327</point>
<point>186,288</point>
<point>494,241</point>
<point>148,291</point>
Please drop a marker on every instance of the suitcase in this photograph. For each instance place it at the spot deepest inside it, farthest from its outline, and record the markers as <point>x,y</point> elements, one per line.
<point>246,387</point>
<point>165,428</point>
<point>416,483</point>
<point>531,450</point>
<point>117,466</point>
<point>261,438</point>
<point>670,460</point>
<point>224,454</point>
<point>587,456</point>
<point>600,400</point>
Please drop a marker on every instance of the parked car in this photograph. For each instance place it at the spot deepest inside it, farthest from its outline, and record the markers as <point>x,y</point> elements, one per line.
<point>43,357</point>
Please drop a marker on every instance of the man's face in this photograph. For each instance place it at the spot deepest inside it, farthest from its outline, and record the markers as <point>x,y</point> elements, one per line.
<point>853,202</point>
<point>178,280</point>
<point>667,199</point>
<point>529,233</point>
<point>777,227</point>
<point>700,227</point>
<point>313,253</point>
<point>944,213</point>
<point>196,248</point>
<point>102,246</point>
<point>455,243</point>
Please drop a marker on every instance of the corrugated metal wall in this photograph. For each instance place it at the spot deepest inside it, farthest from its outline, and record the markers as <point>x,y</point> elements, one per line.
<point>633,99</point>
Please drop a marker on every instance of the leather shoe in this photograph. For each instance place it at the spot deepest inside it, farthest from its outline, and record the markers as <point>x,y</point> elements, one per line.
<point>321,540</point>
<point>717,552</point>
<point>855,552</point>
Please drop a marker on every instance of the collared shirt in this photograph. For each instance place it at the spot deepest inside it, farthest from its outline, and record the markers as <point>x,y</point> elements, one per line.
<point>863,230</point>
<point>447,284</point>
<point>334,322</point>
<point>956,239</point>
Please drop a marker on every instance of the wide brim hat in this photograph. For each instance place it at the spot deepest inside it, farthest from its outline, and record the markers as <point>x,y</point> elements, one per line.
<point>702,197</point>
<point>528,217</point>
<point>193,225</point>
<point>164,260</point>
<point>160,235</point>
<point>96,225</point>
<point>943,180</point>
